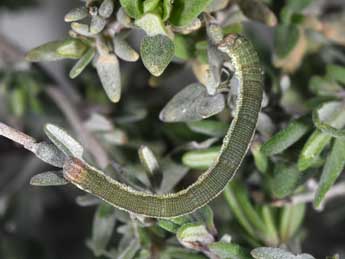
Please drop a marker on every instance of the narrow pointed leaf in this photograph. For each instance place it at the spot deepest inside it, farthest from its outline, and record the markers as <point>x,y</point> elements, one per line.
<point>285,180</point>
<point>64,141</point>
<point>290,221</point>
<point>201,159</point>
<point>211,128</point>
<point>109,73</point>
<point>82,63</point>
<point>191,104</point>
<point>334,166</point>
<point>156,53</point>
<point>49,179</point>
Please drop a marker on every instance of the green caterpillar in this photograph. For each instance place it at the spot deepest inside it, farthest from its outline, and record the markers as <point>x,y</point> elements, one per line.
<point>210,184</point>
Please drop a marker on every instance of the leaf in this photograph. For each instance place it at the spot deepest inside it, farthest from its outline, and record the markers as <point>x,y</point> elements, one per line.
<point>333,167</point>
<point>192,235</point>
<point>228,250</point>
<point>134,8</point>
<point>87,200</point>
<point>260,159</point>
<point>184,12</point>
<point>336,73</point>
<point>258,11</point>
<point>172,174</point>
<point>51,178</point>
<point>210,128</point>
<point>97,24</point>
<point>285,180</point>
<point>286,137</point>
<point>109,73</point>
<point>82,63</point>
<point>130,250</point>
<point>148,160</point>
<point>191,104</point>
<point>324,86</point>
<point>328,114</point>
<point>150,5</point>
<point>50,154</point>
<point>168,225</point>
<point>167,8</point>
<point>156,53</point>
<point>76,14</point>
<point>106,8</point>
<point>184,48</point>
<point>82,29</point>
<point>201,159</point>
<point>291,220</point>
<point>276,253</point>
<point>205,215</point>
<point>285,39</point>
<point>56,50</point>
<point>68,145</point>
<point>102,228</point>
<point>123,50</point>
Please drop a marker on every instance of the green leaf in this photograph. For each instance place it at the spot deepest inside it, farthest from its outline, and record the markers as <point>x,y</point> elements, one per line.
<point>285,180</point>
<point>201,159</point>
<point>56,50</point>
<point>228,250</point>
<point>156,53</point>
<point>82,29</point>
<point>285,39</point>
<point>76,14</point>
<point>211,128</point>
<point>64,142</point>
<point>184,12</point>
<point>152,24</point>
<point>324,86</point>
<point>205,215</point>
<point>109,73</point>
<point>334,166</point>
<point>184,48</point>
<point>82,63</point>
<point>336,73</point>
<point>123,50</point>
<point>106,8</point>
<point>51,178</point>
<point>260,159</point>
<point>276,253</point>
<point>290,221</point>
<point>258,11</point>
<point>134,8</point>
<point>192,235</point>
<point>150,5</point>
<point>102,228</point>
<point>168,225</point>
<point>285,138</point>
<point>18,101</point>
<point>271,233</point>
<point>167,8</point>
<point>97,24</point>
<point>191,104</point>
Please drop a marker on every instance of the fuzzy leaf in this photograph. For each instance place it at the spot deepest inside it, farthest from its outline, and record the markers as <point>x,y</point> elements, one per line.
<point>191,104</point>
<point>276,253</point>
<point>50,154</point>
<point>193,234</point>
<point>134,8</point>
<point>109,73</point>
<point>336,73</point>
<point>68,145</point>
<point>76,14</point>
<point>334,165</point>
<point>285,180</point>
<point>51,178</point>
<point>156,53</point>
<point>82,29</point>
<point>123,50</point>
<point>82,63</point>
<point>97,24</point>
<point>106,8</point>
<point>228,250</point>
<point>285,39</point>
<point>210,128</point>
<point>152,24</point>
<point>184,12</point>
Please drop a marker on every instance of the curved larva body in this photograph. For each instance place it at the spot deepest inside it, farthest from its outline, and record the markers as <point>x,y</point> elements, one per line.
<point>213,181</point>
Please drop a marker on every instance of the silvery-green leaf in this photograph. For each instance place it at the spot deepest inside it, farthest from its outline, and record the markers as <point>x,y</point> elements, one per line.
<point>324,86</point>
<point>109,73</point>
<point>184,48</point>
<point>152,24</point>
<point>150,5</point>
<point>184,12</point>
<point>291,218</point>
<point>123,18</point>
<point>200,159</point>
<point>148,160</point>
<point>334,166</point>
<point>168,225</point>
<point>123,50</point>
<point>76,14</point>
<point>68,145</point>
<point>192,235</point>
<point>191,104</point>
<point>50,154</point>
<point>276,253</point>
<point>156,53</point>
<point>51,178</point>
<point>172,174</point>
<point>215,60</point>
<point>102,228</point>
<point>87,200</point>
<point>205,215</point>
<point>56,50</point>
<point>82,63</point>
<point>82,29</point>
<point>211,128</point>
<point>106,8</point>
<point>260,159</point>
<point>228,250</point>
<point>97,24</point>
<point>257,10</point>
<point>98,122</point>
<point>130,250</point>
<point>134,8</point>
<point>215,33</point>
<point>328,114</point>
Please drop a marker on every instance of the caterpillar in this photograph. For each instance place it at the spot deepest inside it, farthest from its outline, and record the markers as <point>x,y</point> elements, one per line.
<point>211,183</point>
